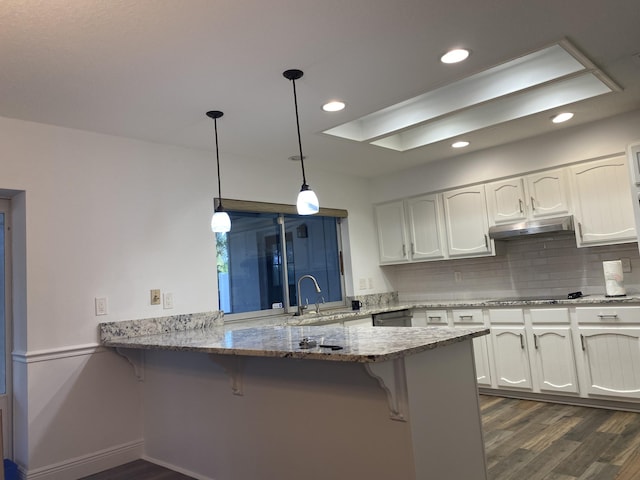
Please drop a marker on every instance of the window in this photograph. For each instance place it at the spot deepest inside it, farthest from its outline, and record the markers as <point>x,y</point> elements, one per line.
<point>261,259</point>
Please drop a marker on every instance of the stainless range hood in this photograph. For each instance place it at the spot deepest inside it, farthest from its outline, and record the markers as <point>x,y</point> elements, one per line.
<point>531,227</point>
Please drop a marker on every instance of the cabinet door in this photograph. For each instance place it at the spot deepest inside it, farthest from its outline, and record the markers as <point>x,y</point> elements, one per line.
<point>547,193</point>
<point>612,360</point>
<point>392,237</point>
<point>505,200</point>
<point>481,356</point>
<point>359,322</point>
<point>511,358</point>
<point>554,359</point>
<point>466,222</point>
<point>425,227</point>
<point>602,200</point>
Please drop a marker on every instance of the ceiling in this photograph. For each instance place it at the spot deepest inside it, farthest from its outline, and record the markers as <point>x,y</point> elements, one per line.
<point>150,69</point>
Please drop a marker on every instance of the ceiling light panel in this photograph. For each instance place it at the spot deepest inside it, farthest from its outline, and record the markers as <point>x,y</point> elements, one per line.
<point>522,73</point>
<point>548,78</point>
<point>508,108</point>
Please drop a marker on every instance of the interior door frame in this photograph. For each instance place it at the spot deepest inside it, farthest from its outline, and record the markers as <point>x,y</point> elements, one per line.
<point>6,400</point>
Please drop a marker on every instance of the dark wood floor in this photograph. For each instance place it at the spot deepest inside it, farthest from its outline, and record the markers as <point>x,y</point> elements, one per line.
<point>138,470</point>
<point>544,441</point>
<point>524,440</point>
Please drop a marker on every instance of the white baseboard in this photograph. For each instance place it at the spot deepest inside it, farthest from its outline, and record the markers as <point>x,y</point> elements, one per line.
<point>88,464</point>
<point>184,471</point>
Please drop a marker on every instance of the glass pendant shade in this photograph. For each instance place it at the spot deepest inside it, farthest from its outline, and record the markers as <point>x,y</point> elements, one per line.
<point>307,203</point>
<point>220,222</point>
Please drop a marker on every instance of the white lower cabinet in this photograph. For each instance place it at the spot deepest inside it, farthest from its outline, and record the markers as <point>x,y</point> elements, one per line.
<point>554,361</point>
<point>481,354</point>
<point>511,357</point>
<point>590,351</point>
<point>481,345</point>
<point>510,353</point>
<point>552,355</point>
<point>612,360</point>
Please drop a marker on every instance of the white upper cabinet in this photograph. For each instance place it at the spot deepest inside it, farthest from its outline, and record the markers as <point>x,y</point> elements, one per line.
<point>466,221</point>
<point>547,193</point>
<point>392,232</point>
<point>602,202</point>
<point>410,230</point>
<point>537,195</point>
<point>425,227</point>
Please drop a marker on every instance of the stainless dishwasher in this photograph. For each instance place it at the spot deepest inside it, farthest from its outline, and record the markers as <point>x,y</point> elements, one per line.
<point>397,318</point>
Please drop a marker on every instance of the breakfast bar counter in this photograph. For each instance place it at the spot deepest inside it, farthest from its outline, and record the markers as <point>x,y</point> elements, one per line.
<point>306,402</point>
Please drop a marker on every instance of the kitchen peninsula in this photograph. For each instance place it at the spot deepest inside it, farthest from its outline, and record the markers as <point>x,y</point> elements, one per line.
<point>306,401</point>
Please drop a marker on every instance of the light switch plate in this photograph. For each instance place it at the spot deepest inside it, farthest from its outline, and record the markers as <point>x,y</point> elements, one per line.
<point>101,306</point>
<point>167,300</point>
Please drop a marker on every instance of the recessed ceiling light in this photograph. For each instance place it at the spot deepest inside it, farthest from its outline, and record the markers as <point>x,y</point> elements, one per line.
<point>333,106</point>
<point>562,117</point>
<point>455,56</point>
<point>460,144</point>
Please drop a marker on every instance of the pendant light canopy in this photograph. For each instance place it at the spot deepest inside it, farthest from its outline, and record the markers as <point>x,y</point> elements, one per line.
<point>307,203</point>
<point>220,221</point>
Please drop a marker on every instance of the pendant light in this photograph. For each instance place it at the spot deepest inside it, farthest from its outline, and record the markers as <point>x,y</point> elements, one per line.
<point>220,221</point>
<point>307,203</point>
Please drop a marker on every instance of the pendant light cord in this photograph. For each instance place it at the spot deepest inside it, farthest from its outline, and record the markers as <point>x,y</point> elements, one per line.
<point>295,102</point>
<point>215,128</point>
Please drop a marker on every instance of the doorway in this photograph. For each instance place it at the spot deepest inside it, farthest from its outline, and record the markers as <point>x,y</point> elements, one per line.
<point>5,328</point>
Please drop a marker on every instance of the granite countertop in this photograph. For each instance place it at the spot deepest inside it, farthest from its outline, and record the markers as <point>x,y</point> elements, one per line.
<point>206,332</point>
<point>359,344</point>
<point>336,315</point>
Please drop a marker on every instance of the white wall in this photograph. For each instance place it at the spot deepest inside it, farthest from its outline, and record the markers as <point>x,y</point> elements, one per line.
<point>95,216</point>
<point>567,145</point>
<point>114,217</point>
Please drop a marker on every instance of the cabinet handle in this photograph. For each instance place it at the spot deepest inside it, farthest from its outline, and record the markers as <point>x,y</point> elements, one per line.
<point>486,241</point>
<point>584,347</point>
<point>533,204</point>
<point>404,250</point>
<point>520,203</point>
<point>602,316</point>
<point>438,318</point>
<point>413,249</point>
<point>580,230</point>
<point>522,341</point>
<point>462,317</point>
<point>535,341</point>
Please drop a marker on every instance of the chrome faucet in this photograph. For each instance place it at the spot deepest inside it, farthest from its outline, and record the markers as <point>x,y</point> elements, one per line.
<point>301,307</point>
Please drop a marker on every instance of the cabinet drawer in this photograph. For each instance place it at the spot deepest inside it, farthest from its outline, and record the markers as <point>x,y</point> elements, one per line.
<point>468,316</point>
<point>437,317</point>
<point>608,315</point>
<point>549,315</point>
<point>506,315</point>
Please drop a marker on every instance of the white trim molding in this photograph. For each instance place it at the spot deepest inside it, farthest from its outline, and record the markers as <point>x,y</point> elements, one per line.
<point>46,355</point>
<point>88,464</point>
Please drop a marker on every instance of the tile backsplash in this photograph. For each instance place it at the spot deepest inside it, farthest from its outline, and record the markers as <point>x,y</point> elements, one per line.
<point>529,266</point>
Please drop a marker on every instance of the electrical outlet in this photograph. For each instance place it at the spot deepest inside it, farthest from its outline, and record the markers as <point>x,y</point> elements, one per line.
<point>155,297</point>
<point>101,306</point>
<point>457,277</point>
<point>167,300</point>
<point>363,283</point>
